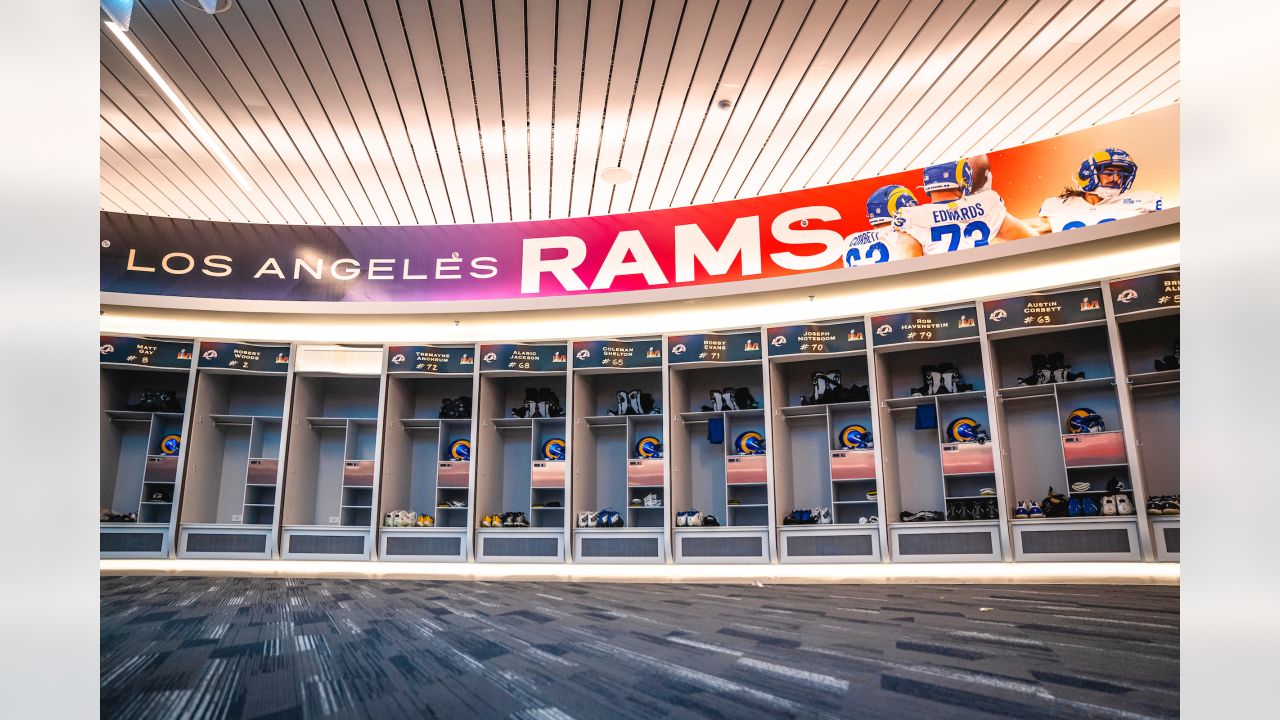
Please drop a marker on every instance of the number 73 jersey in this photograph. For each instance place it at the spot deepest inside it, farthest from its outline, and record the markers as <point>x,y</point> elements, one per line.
<point>972,221</point>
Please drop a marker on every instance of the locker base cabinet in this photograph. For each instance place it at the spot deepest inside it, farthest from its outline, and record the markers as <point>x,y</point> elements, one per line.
<point>522,545</point>
<point>1073,539</point>
<point>616,545</point>
<point>134,540</point>
<point>225,541</point>
<point>945,542</point>
<point>1165,531</point>
<point>321,542</point>
<point>722,545</point>
<point>423,544</point>
<point>829,544</point>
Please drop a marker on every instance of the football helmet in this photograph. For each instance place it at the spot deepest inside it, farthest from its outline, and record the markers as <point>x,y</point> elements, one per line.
<point>855,437</point>
<point>964,429</point>
<point>1113,159</point>
<point>553,449</point>
<point>649,447</point>
<point>460,450</point>
<point>949,176</point>
<point>885,203</point>
<point>749,443</point>
<point>1084,420</point>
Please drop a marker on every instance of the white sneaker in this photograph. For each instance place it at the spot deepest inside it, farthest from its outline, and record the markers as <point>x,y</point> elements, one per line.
<point>651,500</point>
<point>582,519</point>
<point>1109,505</point>
<point>1123,506</point>
<point>694,519</point>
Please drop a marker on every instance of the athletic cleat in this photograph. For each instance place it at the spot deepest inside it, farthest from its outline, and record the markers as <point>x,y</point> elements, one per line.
<point>1123,505</point>
<point>1035,511</point>
<point>1074,507</point>
<point>1088,506</point>
<point>1023,511</point>
<point>709,521</point>
<point>922,516</point>
<point>652,500</point>
<point>1109,505</point>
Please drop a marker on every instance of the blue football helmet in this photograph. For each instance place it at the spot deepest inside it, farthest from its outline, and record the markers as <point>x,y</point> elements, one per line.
<point>1113,159</point>
<point>855,437</point>
<point>949,176</point>
<point>1084,420</point>
<point>885,203</point>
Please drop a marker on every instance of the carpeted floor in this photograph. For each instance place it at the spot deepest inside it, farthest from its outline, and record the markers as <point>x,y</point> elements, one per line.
<point>292,648</point>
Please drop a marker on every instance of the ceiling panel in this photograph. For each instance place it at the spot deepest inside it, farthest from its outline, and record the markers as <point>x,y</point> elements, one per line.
<point>367,112</point>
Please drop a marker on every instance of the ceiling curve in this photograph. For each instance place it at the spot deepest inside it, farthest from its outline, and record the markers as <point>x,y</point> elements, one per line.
<point>406,112</point>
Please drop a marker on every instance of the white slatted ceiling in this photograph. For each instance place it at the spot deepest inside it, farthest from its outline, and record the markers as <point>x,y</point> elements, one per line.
<point>461,111</point>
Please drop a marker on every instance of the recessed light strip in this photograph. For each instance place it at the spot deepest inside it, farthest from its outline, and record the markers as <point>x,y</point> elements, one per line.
<point>193,122</point>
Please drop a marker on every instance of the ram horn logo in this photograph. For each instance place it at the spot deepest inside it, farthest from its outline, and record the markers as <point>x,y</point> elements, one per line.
<point>209,354</point>
<point>779,341</point>
<point>397,358</point>
<point>490,357</point>
<point>884,330</point>
<point>1127,296</point>
<point>583,354</point>
<point>999,315</point>
<point>678,349</point>
<point>107,349</point>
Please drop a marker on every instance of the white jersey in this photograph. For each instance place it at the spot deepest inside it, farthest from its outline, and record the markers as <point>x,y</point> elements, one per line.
<point>972,221</point>
<point>1074,212</point>
<point>877,245</point>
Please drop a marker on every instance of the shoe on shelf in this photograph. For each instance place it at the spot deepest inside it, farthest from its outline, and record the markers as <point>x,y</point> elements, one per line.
<point>708,521</point>
<point>1023,511</point>
<point>1172,505</point>
<point>824,515</point>
<point>735,501</point>
<point>872,495</point>
<point>989,511</point>
<point>1088,506</point>
<point>652,500</point>
<point>1109,505</point>
<point>1036,511</point>
<point>1155,505</point>
<point>1080,487</point>
<point>1115,486</point>
<point>1123,505</point>
<point>1074,507</point>
<point>987,492</point>
<point>636,502</point>
<point>922,516</point>
<point>581,519</point>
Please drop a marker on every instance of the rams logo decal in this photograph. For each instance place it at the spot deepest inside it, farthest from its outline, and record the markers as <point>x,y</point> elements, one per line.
<point>999,315</point>
<point>1127,296</point>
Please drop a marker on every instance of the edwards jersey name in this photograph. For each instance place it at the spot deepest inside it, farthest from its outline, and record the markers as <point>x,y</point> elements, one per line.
<point>1076,212</point>
<point>972,221</point>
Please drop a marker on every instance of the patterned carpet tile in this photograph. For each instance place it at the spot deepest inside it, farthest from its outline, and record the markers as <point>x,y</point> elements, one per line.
<point>223,647</point>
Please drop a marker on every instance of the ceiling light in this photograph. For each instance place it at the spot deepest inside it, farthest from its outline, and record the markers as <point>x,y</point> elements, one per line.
<point>725,104</point>
<point>615,175</point>
<point>193,122</point>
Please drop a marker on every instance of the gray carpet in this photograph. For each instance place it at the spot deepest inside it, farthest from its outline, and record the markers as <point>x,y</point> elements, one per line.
<point>294,648</point>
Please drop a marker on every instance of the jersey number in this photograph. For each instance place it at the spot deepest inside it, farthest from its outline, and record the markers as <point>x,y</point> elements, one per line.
<point>876,253</point>
<point>977,231</point>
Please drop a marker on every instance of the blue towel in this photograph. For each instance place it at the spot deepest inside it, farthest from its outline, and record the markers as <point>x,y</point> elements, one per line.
<point>926,417</point>
<point>715,431</point>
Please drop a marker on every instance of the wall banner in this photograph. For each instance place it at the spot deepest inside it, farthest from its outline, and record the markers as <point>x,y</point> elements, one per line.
<point>709,347</point>
<point>1147,292</point>
<point>431,359</point>
<point>240,356</point>
<point>617,354</point>
<point>925,326</point>
<point>145,352</point>
<point>816,339</point>
<point>1098,175</point>
<point>1051,310</point>
<point>526,358</point>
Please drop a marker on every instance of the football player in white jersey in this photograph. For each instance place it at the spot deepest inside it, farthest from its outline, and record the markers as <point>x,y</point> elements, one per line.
<point>961,214</point>
<point>1103,193</point>
<point>882,243</point>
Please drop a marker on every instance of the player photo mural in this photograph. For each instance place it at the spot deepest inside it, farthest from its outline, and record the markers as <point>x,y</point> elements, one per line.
<point>951,205</point>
